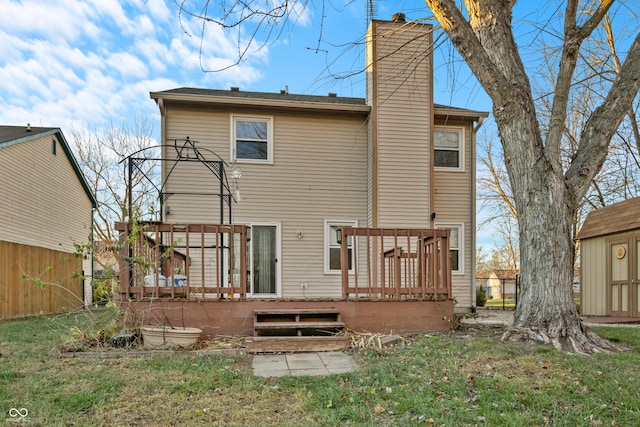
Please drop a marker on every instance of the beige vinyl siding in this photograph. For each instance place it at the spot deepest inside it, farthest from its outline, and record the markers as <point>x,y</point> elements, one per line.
<point>593,276</point>
<point>453,203</point>
<point>401,109</point>
<point>43,203</point>
<point>318,174</point>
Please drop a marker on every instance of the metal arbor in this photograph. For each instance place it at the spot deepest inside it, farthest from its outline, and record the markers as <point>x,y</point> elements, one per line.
<point>186,152</point>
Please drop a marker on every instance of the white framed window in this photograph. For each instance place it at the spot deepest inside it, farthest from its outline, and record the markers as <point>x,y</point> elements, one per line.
<point>252,139</point>
<point>448,148</point>
<point>456,245</point>
<point>332,241</point>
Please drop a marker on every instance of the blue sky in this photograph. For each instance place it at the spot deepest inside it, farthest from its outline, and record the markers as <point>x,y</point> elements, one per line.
<point>89,63</point>
<point>68,63</point>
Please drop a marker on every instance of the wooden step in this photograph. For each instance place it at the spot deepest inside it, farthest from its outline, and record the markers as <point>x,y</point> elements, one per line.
<point>296,344</point>
<point>298,311</point>
<point>299,325</point>
<point>296,322</point>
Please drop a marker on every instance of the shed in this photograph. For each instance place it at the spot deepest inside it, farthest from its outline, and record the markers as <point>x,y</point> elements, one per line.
<point>610,269</point>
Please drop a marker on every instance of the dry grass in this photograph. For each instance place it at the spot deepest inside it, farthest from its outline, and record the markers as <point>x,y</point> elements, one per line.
<point>467,377</point>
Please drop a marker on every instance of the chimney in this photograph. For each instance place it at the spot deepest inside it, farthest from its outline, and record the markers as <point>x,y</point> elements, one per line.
<point>398,17</point>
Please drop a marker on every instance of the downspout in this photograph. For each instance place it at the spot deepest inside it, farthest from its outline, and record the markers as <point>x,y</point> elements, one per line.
<point>473,214</point>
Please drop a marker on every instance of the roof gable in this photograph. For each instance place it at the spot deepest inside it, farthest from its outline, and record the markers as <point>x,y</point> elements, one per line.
<point>616,218</point>
<point>11,135</point>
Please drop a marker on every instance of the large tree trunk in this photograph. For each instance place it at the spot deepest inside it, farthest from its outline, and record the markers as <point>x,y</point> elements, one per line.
<point>546,311</point>
<point>546,193</point>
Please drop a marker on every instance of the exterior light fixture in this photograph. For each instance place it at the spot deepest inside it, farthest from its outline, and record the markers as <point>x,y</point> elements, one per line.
<point>339,236</point>
<point>236,173</point>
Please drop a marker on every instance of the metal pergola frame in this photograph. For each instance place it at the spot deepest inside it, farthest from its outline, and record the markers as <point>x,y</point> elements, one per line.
<point>186,152</point>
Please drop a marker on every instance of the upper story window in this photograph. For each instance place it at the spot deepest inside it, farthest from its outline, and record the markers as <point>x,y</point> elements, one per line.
<point>252,139</point>
<point>448,148</point>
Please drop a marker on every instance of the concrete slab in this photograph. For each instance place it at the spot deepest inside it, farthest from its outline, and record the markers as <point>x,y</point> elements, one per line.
<point>300,364</point>
<point>338,363</point>
<point>304,361</point>
<point>308,372</point>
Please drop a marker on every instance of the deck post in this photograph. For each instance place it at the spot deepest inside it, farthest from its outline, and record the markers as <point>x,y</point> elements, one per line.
<point>344,260</point>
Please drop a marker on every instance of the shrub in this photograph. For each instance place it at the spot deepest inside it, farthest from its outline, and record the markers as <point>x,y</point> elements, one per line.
<point>481,297</point>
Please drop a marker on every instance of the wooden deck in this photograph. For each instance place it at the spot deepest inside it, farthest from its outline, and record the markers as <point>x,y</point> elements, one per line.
<point>399,283</point>
<point>234,317</point>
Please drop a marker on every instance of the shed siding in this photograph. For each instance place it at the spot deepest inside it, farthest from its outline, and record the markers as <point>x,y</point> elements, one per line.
<point>318,174</point>
<point>43,203</point>
<point>593,281</point>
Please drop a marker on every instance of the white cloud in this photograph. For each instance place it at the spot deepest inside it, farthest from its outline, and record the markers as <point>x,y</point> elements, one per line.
<point>93,62</point>
<point>128,66</point>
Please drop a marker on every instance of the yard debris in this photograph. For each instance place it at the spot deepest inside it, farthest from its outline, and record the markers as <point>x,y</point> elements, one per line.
<point>219,342</point>
<point>371,340</point>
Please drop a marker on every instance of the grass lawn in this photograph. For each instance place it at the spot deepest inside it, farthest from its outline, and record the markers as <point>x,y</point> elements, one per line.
<point>462,378</point>
<point>507,303</point>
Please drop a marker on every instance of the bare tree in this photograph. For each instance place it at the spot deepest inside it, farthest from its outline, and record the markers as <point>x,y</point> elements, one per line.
<point>99,154</point>
<point>618,178</point>
<point>547,193</point>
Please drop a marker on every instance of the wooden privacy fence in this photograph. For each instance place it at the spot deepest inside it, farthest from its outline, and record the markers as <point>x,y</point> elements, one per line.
<point>205,261</point>
<point>19,297</point>
<point>392,263</point>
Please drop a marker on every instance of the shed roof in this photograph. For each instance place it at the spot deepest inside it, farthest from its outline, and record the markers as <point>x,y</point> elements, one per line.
<point>11,135</point>
<point>616,218</point>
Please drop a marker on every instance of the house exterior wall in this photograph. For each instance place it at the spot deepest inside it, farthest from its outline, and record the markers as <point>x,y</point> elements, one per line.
<point>454,203</point>
<point>43,203</point>
<point>399,90</point>
<point>373,166</point>
<point>318,174</point>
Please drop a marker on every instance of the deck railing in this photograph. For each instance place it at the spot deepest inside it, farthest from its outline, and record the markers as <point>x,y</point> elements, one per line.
<point>209,261</point>
<point>395,264</point>
<point>206,261</point>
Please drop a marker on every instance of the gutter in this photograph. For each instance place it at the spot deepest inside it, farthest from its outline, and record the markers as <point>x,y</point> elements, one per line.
<point>259,102</point>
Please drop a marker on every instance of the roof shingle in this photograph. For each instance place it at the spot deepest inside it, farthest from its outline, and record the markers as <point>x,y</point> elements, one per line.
<point>616,218</point>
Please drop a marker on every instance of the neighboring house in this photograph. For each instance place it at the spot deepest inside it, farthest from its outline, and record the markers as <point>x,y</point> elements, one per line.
<point>45,207</point>
<point>307,166</point>
<point>501,284</point>
<point>609,261</point>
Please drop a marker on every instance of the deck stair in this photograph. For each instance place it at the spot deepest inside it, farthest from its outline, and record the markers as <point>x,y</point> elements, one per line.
<point>296,330</point>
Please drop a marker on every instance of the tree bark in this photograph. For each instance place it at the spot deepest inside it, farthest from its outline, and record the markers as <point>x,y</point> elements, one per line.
<point>546,312</point>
